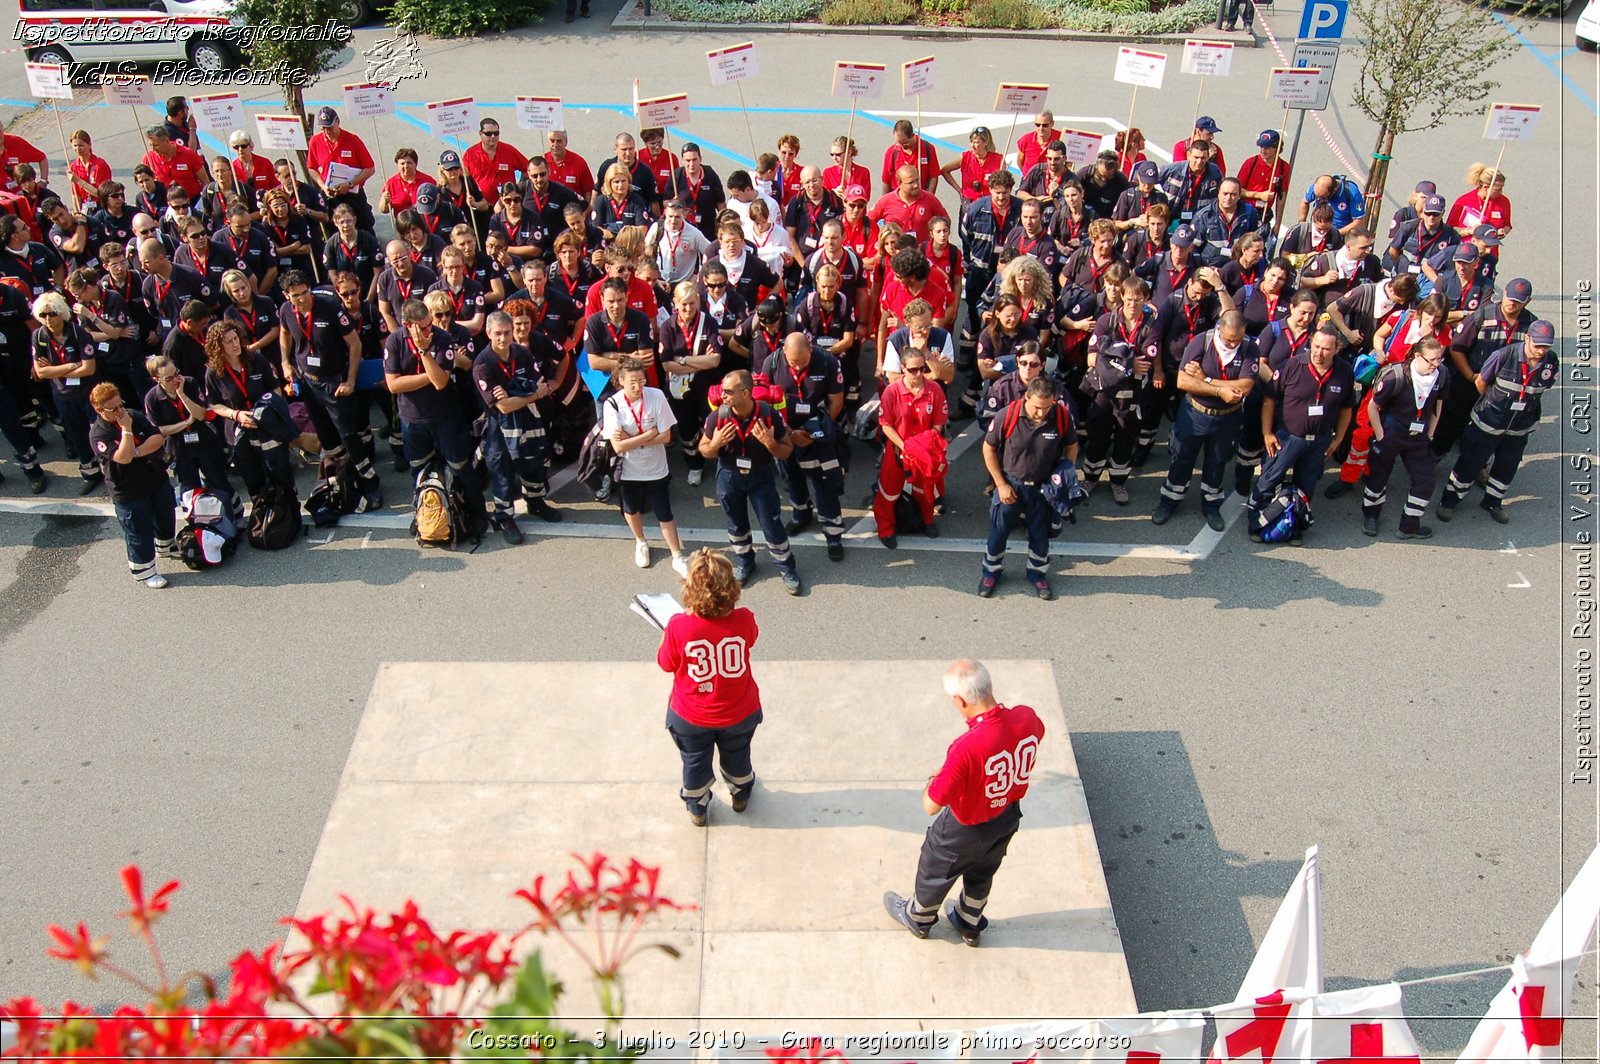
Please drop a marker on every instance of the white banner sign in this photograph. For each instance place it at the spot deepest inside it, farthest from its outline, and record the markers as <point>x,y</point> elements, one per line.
<point>1144,69</point>
<point>859,81</point>
<point>453,118</point>
<point>1019,99</point>
<point>540,112</point>
<point>221,113</point>
<point>1510,121</point>
<point>916,77</point>
<point>369,99</point>
<point>1318,55</point>
<point>1293,86</point>
<point>131,89</point>
<point>1082,148</point>
<point>48,81</point>
<point>1211,59</point>
<point>733,64</point>
<point>664,110</point>
<point>280,133</point>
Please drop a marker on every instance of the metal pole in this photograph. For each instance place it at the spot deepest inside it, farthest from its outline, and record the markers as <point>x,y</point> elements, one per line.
<point>1294,149</point>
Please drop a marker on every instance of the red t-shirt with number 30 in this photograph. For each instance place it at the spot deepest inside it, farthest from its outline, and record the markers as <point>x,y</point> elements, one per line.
<point>987,767</point>
<point>709,658</point>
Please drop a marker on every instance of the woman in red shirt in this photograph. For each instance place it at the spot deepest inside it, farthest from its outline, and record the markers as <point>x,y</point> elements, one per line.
<point>1484,202</point>
<point>400,191</point>
<point>1130,148</point>
<point>88,172</point>
<point>975,166</point>
<point>910,406</point>
<point>715,703</point>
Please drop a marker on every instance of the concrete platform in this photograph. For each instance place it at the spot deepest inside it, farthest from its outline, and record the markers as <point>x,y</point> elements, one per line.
<point>467,780</point>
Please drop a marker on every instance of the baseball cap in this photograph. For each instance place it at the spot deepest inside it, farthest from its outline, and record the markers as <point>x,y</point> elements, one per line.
<point>449,160</point>
<point>1541,334</point>
<point>1269,139</point>
<point>427,199</point>
<point>1520,289</point>
<point>1146,171</point>
<point>854,193</point>
<point>1183,236</point>
<point>1488,234</point>
<point>1206,124</point>
<point>1427,188</point>
<point>326,117</point>
<point>1434,204</point>
<point>1466,253</point>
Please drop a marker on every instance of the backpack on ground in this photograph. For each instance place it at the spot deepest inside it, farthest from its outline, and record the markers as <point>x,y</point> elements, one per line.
<point>1287,515</point>
<point>274,518</point>
<point>336,492</point>
<point>209,535</point>
<point>866,423</point>
<point>443,516</point>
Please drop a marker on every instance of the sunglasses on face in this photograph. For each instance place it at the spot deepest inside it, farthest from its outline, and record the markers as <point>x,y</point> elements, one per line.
<point>349,293</point>
<point>716,287</point>
<point>491,132</point>
<point>918,370</point>
<point>442,316</point>
<point>47,314</point>
<point>1041,125</point>
<point>1029,362</point>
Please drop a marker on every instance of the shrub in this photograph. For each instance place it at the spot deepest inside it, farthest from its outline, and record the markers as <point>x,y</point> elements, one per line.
<point>465,18</point>
<point>944,8</point>
<point>740,10</point>
<point>868,12</point>
<point>1084,18</point>
<point>1007,14</point>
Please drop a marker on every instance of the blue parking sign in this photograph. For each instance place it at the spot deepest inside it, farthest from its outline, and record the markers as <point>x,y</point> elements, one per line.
<point>1323,20</point>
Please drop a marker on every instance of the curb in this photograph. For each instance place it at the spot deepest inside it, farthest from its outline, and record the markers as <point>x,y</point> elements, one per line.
<point>629,19</point>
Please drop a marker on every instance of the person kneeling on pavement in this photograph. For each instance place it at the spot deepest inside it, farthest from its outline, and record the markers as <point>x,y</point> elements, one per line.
<point>129,449</point>
<point>1305,415</point>
<point>1023,448</point>
<point>508,382</point>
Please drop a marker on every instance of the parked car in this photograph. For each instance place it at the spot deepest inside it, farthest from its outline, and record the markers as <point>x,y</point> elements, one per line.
<point>117,31</point>
<point>1586,34</point>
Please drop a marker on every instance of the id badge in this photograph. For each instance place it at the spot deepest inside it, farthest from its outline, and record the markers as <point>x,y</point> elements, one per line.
<point>1519,405</point>
<point>1417,427</point>
<point>744,465</point>
<point>166,323</point>
<point>191,437</point>
<point>103,345</point>
<point>71,382</point>
<point>285,262</point>
<point>802,408</point>
<point>1314,411</point>
<point>1186,216</point>
<point>316,360</point>
<point>1126,394</point>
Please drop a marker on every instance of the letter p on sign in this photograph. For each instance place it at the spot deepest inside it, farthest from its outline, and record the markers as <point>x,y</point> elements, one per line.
<point>1323,20</point>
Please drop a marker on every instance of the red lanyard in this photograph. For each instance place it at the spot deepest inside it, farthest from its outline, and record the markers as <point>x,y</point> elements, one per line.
<point>416,353</point>
<point>1129,338</point>
<point>1191,314</point>
<point>456,301</point>
<point>1175,279</point>
<point>1321,381</point>
<point>571,285</point>
<point>638,416</point>
<point>618,207</point>
<point>617,334</point>
<point>200,262</point>
<point>1222,367</point>
<point>416,256</point>
<point>281,234</point>
<point>1073,227</point>
<point>233,242</point>
<point>161,292</point>
<point>672,249</point>
<point>1094,273</point>
<point>241,380</point>
<point>691,334</point>
<point>999,219</point>
<point>1272,305</point>
<point>694,187</point>
<point>1527,372</point>
<point>350,253</point>
<point>58,352</point>
<point>405,286</point>
<point>1027,248</point>
<point>305,326</point>
<point>825,319</point>
<point>538,204</point>
<point>1296,345</point>
<point>774,340</point>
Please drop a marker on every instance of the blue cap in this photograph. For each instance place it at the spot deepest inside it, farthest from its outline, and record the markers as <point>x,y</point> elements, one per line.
<point>1183,237</point>
<point>1206,124</point>
<point>326,117</point>
<point>1146,171</point>
<point>427,199</point>
<point>1541,334</point>
<point>1433,205</point>
<point>1269,139</point>
<point>1520,289</point>
<point>449,160</point>
<point>1488,234</point>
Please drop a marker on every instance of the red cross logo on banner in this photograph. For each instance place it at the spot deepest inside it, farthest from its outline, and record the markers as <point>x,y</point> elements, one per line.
<point>1366,1046</point>
<point>1263,1032</point>
<point>1537,1029</point>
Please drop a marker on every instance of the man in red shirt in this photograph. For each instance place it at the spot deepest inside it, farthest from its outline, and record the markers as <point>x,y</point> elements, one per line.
<point>568,168</point>
<point>911,208</point>
<point>173,164</point>
<point>491,162</point>
<point>1030,151</point>
<point>1205,128</point>
<point>332,146</point>
<point>641,296</point>
<point>1265,177</point>
<point>787,182</point>
<point>661,162</point>
<point>974,801</point>
<point>905,151</point>
<point>17,150</point>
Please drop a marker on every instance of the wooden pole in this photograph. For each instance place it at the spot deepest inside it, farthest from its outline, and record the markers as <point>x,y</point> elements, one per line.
<point>1497,161</point>
<point>1011,136</point>
<point>667,132</point>
<point>1122,155</point>
<point>378,143</point>
<point>747,130</point>
<point>1272,179</point>
<point>1198,96</point>
<point>66,154</point>
<point>850,136</point>
<point>919,145</point>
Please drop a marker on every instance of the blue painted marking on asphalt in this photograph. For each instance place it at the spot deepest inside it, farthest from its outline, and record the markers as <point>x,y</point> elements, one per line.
<point>1564,53</point>
<point>882,121</point>
<point>1549,64</point>
<point>727,153</point>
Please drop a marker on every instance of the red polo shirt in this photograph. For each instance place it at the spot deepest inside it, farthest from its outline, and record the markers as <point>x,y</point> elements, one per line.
<point>402,193</point>
<point>184,169</point>
<point>1030,151</point>
<point>349,151</point>
<point>641,297</point>
<point>987,768</point>
<point>896,296</point>
<point>572,172</point>
<point>833,178</point>
<point>661,163</point>
<point>261,176</point>
<point>894,157</point>
<point>913,217</point>
<point>489,173</point>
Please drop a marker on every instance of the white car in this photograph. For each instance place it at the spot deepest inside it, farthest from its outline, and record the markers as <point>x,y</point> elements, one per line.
<point>124,31</point>
<point>1586,34</point>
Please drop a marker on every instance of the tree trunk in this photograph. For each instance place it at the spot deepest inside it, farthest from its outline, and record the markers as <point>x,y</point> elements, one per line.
<point>1378,173</point>
<point>294,97</point>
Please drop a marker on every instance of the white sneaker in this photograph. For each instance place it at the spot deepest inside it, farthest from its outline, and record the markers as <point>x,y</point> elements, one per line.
<point>680,565</point>
<point>694,477</point>
<point>156,582</point>
<point>641,554</point>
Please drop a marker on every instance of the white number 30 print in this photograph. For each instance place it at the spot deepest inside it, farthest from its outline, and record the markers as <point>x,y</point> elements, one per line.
<point>1010,768</point>
<point>725,658</point>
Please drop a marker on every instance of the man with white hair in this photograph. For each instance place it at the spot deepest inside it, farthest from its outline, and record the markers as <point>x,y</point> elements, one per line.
<point>974,802</point>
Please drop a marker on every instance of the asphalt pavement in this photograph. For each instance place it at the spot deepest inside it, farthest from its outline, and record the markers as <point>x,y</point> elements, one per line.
<point>1403,705</point>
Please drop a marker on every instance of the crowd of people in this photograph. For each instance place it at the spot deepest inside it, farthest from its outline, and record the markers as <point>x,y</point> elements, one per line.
<point>757,321</point>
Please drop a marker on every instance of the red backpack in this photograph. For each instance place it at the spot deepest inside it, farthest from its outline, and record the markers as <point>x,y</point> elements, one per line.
<point>1014,414</point>
<point>762,390</point>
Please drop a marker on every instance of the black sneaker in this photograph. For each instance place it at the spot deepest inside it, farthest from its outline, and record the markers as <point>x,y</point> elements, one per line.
<point>896,905</point>
<point>742,803</point>
<point>1420,532</point>
<point>509,531</point>
<point>1496,511</point>
<point>1163,514</point>
<point>91,485</point>
<point>799,522</point>
<point>889,541</point>
<point>542,509</point>
<point>1369,526</point>
<point>1338,489</point>
<point>970,933</point>
<point>36,483</point>
<point>1446,511</point>
<point>836,552</point>
<point>1214,521</point>
<point>931,531</point>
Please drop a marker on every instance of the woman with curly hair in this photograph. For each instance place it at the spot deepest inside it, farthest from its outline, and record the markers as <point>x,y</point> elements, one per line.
<point>1025,279</point>
<point>715,703</point>
<point>241,387</point>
